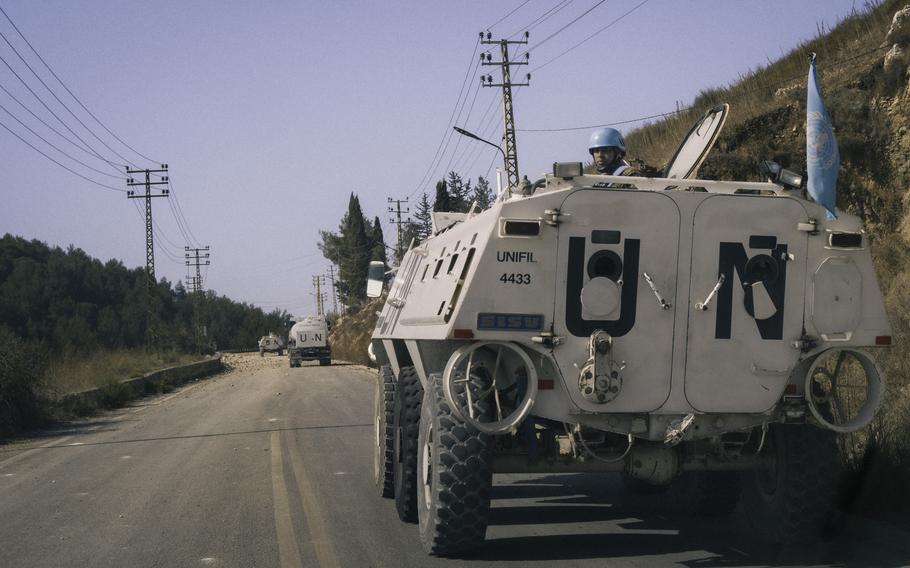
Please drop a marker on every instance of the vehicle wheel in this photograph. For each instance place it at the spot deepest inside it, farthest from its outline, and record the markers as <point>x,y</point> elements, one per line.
<point>261,353</point>
<point>384,432</point>
<point>791,501</point>
<point>455,478</point>
<point>708,493</point>
<point>408,396</point>
<point>280,352</point>
<point>325,362</point>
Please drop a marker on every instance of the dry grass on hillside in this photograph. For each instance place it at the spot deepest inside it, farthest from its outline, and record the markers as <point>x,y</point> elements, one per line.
<point>73,373</point>
<point>851,43</point>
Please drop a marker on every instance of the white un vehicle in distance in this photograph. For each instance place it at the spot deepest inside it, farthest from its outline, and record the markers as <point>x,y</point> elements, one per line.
<point>708,334</point>
<point>308,340</point>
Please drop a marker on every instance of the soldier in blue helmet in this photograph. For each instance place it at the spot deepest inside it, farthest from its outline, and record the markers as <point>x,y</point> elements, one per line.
<point>608,149</point>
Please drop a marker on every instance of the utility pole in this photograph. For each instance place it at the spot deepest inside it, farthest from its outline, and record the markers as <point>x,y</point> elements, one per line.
<point>398,222</point>
<point>198,257</point>
<point>151,333</point>
<point>511,151</point>
<point>334,293</point>
<point>320,298</point>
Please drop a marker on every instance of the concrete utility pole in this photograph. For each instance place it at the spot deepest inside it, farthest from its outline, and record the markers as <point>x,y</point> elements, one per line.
<point>398,222</point>
<point>317,283</point>
<point>511,151</point>
<point>151,333</point>
<point>198,257</point>
<point>334,292</point>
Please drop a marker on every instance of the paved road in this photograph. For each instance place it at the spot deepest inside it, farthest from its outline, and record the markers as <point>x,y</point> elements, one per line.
<point>271,466</point>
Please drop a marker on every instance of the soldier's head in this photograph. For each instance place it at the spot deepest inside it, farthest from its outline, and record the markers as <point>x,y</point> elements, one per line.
<point>607,149</point>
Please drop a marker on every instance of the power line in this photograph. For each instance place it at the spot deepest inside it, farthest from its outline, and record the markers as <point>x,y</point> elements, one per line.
<point>48,126</point>
<point>75,98</point>
<point>543,17</point>
<point>74,172</point>
<point>606,27</point>
<point>499,21</point>
<point>60,120</point>
<point>27,127</point>
<point>53,94</point>
<point>617,123</point>
<point>447,134</point>
<point>562,29</point>
<point>180,210</point>
<point>740,94</point>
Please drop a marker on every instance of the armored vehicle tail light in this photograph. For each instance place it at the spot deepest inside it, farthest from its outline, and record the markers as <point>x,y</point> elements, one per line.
<point>845,240</point>
<point>883,340</point>
<point>516,228</point>
<point>463,334</point>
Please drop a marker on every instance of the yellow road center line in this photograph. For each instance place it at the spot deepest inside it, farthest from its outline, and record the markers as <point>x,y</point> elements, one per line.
<point>325,551</point>
<point>288,552</point>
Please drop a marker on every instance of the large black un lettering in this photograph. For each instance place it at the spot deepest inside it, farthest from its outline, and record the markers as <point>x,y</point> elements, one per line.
<point>769,270</point>
<point>608,264</point>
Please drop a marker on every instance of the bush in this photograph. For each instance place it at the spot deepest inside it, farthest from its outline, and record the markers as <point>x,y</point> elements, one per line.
<point>23,400</point>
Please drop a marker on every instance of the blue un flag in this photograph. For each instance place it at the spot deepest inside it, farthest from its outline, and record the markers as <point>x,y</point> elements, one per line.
<point>822,157</point>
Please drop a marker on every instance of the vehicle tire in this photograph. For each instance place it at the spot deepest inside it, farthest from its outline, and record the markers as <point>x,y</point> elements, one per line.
<point>791,502</point>
<point>454,478</point>
<point>708,493</point>
<point>384,432</point>
<point>325,362</point>
<point>280,352</point>
<point>408,396</point>
<point>262,353</point>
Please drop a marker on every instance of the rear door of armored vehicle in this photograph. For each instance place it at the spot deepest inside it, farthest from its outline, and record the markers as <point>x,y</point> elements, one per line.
<point>608,239</point>
<point>740,349</point>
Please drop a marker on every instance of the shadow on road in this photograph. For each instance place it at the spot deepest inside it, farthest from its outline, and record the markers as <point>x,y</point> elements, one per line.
<point>592,516</point>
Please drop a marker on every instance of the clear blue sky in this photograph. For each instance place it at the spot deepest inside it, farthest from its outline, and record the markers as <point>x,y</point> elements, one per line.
<point>270,113</point>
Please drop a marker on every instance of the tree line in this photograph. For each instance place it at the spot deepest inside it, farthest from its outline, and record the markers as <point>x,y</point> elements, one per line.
<point>67,301</point>
<point>358,241</point>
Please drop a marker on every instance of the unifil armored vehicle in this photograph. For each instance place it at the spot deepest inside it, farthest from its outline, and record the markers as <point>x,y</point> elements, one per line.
<point>270,343</point>
<point>711,335</point>
<point>308,340</point>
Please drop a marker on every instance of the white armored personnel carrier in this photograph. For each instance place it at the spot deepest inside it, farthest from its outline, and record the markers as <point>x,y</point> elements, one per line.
<point>711,335</point>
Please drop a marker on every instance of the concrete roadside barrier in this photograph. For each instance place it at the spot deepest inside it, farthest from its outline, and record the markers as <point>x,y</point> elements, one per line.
<point>89,400</point>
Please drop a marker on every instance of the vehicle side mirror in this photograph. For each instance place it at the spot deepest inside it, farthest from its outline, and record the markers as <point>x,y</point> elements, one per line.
<point>375,279</point>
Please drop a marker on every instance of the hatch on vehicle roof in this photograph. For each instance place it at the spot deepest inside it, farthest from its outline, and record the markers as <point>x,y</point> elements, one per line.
<point>697,143</point>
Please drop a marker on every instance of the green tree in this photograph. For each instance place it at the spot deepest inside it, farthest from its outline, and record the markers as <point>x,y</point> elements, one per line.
<point>482,194</point>
<point>350,250</point>
<point>459,192</point>
<point>423,216</point>
<point>443,201</point>
<point>378,251</point>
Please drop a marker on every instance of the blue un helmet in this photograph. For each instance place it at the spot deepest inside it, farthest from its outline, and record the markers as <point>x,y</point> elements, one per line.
<point>603,137</point>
